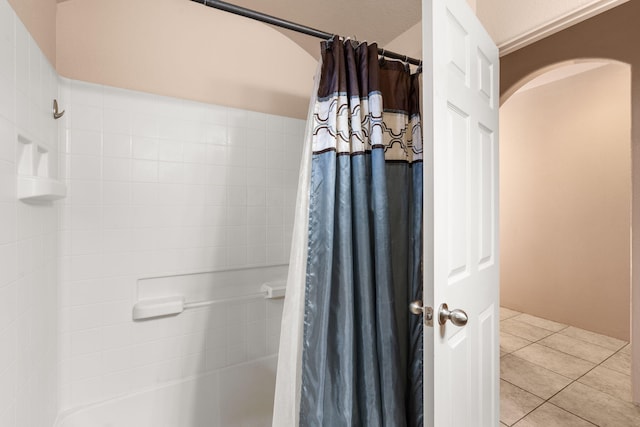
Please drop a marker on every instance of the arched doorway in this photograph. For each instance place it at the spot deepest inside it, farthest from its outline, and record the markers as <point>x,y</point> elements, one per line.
<point>604,36</point>
<point>565,184</point>
<point>565,195</point>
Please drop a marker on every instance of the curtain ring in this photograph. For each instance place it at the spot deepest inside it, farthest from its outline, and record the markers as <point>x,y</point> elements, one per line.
<point>381,59</point>
<point>329,42</point>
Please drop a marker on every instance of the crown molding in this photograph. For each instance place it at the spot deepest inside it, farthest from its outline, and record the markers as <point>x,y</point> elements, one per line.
<point>557,25</point>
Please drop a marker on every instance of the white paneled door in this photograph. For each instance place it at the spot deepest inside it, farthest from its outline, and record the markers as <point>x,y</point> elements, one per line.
<point>461,265</point>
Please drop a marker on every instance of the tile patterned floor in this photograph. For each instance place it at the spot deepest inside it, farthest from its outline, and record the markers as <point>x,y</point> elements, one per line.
<point>554,375</point>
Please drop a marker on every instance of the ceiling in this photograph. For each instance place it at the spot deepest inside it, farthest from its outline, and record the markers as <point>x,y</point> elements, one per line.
<point>511,23</point>
<point>514,24</point>
<point>371,20</point>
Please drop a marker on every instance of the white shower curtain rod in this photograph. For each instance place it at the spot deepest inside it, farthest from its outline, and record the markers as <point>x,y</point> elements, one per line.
<point>279,22</point>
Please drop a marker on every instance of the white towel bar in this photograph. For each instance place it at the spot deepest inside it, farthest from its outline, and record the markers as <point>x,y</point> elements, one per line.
<point>174,305</point>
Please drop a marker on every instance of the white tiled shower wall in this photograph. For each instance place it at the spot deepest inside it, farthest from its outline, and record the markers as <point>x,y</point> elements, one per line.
<point>162,186</point>
<point>28,236</point>
<point>156,186</point>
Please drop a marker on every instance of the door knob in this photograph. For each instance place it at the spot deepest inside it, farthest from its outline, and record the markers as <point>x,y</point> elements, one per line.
<point>457,316</point>
<point>417,308</point>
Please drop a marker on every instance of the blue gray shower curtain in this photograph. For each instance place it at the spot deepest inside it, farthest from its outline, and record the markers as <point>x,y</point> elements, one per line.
<point>359,362</point>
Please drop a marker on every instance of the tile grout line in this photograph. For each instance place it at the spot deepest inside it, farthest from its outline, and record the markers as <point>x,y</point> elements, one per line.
<point>548,400</point>
<point>526,391</point>
<point>575,415</point>
<point>576,381</point>
<point>564,409</point>
<point>560,351</point>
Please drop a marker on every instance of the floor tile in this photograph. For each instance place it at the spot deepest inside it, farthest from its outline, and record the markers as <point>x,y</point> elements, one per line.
<point>593,338</point>
<point>510,343</point>
<point>523,330</point>
<point>542,359</point>
<point>599,408</point>
<point>608,381</point>
<point>515,403</point>
<point>531,377</point>
<point>554,360</point>
<point>575,347</point>
<point>540,322</point>
<point>620,362</point>
<point>549,415</point>
<point>506,313</point>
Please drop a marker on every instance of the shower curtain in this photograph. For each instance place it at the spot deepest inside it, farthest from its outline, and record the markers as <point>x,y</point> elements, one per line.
<point>350,352</point>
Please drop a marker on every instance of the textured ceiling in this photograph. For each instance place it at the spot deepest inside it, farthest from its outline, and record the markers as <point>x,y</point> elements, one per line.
<point>383,20</point>
<point>370,20</point>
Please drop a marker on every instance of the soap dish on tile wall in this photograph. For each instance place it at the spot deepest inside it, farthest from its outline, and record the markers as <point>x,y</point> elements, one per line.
<point>34,182</point>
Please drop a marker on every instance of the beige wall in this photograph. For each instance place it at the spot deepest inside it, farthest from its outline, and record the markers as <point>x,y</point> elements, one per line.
<point>183,49</point>
<point>604,36</point>
<point>565,190</point>
<point>39,17</point>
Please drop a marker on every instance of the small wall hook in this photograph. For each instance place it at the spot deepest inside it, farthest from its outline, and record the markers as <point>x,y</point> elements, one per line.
<point>56,114</point>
